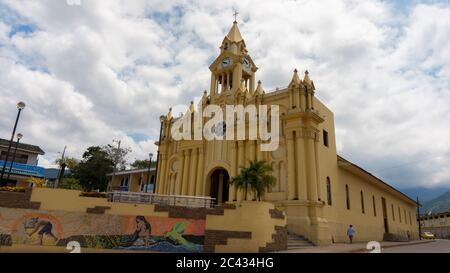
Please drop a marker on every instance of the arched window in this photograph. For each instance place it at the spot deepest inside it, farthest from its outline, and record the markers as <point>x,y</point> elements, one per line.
<point>329,191</point>
<point>374,206</point>
<point>362,203</point>
<point>347,196</point>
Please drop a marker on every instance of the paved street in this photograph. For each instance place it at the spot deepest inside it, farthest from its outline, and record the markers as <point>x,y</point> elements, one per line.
<point>438,246</point>
<point>359,247</point>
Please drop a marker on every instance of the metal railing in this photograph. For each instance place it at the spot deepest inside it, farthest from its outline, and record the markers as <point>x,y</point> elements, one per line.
<point>164,200</point>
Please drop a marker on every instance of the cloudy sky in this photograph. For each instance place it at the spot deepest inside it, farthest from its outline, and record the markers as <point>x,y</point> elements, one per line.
<point>107,70</point>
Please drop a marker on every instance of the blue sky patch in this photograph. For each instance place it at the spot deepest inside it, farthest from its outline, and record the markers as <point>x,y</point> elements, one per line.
<point>138,136</point>
<point>20,28</point>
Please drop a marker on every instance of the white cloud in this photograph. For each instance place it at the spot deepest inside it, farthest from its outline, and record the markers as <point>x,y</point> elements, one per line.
<point>109,69</point>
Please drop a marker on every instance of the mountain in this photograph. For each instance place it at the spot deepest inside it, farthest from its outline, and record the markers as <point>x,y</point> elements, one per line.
<point>438,204</point>
<point>425,194</point>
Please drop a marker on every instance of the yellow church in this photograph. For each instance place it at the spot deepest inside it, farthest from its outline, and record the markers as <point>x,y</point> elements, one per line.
<point>320,192</point>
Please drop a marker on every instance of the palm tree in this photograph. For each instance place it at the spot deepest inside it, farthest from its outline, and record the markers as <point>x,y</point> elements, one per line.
<point>257,176</point>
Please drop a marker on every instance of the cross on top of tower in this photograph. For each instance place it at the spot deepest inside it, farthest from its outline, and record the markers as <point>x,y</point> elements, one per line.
<point>235,14</point>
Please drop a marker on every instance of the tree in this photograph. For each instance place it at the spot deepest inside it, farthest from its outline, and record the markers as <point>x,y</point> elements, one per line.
<point>142,164</point>
<point>70,162</point>
<point>255,177</point>
<point>93,168</point>
<point>70,184</point>
<point>117,155</point>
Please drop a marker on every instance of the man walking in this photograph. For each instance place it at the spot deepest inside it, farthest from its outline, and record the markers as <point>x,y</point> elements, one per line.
<point>350,233</point>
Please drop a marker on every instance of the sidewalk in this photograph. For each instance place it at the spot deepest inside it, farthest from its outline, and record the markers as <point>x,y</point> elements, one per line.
<point>351,248</point>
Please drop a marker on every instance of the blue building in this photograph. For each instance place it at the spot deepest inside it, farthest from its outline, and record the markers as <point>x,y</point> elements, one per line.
<point>25,163</point>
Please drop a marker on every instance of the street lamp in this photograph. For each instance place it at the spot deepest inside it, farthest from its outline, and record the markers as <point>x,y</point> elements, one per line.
<point>20,107</point>
<point>161,119</point>
<point>19,137</point>
<point>63,168</point>
<point>149,171</point>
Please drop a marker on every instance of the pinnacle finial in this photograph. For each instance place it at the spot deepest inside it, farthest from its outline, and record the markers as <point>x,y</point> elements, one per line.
<point>295,78</point>
<point>259,89</point>
<point>307,80</point>
<point>169,115</point>
<point>235,14</point>
<point>192,107</point>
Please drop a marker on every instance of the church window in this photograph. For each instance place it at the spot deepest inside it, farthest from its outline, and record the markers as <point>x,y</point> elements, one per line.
<point>374,206</point>
<point>325,138</point>
<point>362,203</point>
<point>347,196</point>
<point>393,213</point>
<point>225,46</point>
<point>399,215</point>
<point>329,201</point>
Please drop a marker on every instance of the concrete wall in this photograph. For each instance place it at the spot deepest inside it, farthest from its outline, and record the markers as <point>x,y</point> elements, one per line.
<point>368,225</point>
<point>96,223</point>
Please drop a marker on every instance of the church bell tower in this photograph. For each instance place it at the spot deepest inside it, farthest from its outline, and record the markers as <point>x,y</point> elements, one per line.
<point>233,71</point>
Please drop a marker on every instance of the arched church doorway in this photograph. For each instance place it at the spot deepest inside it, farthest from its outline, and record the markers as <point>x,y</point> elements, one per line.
<point>219,187</point>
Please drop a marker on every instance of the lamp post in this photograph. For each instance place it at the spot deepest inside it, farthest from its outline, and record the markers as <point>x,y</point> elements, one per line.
<point>20,107</point>
<point>149,171</point>
<point>19,137</point>
<point>63,168</point>
<point>161,119</point>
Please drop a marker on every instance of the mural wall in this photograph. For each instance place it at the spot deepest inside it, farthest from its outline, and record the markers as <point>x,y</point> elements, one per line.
<point>58,228</point>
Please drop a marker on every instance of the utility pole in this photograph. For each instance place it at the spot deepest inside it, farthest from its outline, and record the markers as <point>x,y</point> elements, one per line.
<point>115,163</point>
<point>63,168</point>
<point>418,218</point>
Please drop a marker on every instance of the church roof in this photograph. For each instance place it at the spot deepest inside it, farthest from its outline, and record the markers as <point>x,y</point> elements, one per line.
<point>23,146</point>
<point>235,35</point>
<point>347,165</point>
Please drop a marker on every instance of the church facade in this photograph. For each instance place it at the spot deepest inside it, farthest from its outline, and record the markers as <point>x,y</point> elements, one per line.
<point>320,192</point>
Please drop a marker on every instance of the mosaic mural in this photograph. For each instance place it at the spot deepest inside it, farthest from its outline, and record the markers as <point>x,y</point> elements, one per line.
<point>57,228</point>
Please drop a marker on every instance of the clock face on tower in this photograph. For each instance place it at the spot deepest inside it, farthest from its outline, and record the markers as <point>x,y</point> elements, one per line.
<point>226,62</point>
<point>246,63</point>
